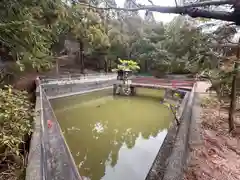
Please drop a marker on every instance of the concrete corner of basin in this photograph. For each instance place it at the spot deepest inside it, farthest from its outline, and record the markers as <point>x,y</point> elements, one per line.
<point>172,158</point>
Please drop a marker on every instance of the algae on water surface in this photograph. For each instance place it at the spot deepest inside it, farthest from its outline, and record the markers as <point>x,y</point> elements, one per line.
<point>113,137</point>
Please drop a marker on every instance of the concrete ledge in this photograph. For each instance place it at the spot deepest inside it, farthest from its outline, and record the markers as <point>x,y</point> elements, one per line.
<point>56,90</point>
<point>34,168</point>
<point>176,163</point>
<point>60,163</point>
<point>49,156</point>
<point>84,79</point>
<point>159,167</point>
<point>172,157</point>
<point>169,162</point>
<point>183,106</point>
<point>78,93</point>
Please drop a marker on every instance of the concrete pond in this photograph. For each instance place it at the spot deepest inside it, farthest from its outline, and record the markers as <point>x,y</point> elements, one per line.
<point>113,137</point>
<point>83,132</point>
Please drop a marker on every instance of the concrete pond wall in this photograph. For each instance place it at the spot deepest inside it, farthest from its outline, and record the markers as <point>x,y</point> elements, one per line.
<point>49,156</point>
<point>67,87</point>
<point>173,156</point>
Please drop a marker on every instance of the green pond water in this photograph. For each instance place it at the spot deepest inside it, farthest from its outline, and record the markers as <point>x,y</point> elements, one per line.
<point>113,137</point>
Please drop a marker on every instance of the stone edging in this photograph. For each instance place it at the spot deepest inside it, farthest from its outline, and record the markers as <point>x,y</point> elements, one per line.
<point>79,93</point>
<point>34,167</point>
<point>182,105</point>
<point>172,156</point>
<point>80,80</point>
<point>38,167</point>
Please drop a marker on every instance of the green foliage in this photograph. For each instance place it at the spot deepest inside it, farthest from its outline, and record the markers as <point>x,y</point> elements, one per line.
<point>220,80</point>
<point>126,65</point>
<point>206,101</point>
<point>28,29</point>
<point>177,95</point>
<point>15,123</point>
<point>177,47</point>
<point>171,48</point>
<point>85,25</point>
<point>171,106</point>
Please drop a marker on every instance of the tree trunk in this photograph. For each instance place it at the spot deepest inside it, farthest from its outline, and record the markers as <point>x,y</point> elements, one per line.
<point>130,55</point>
<point>146,65</point>
<point>233,93</point>
<point>232,104</point>
<point>57,66</point>
<point>110,65</point>
<point>81,55</point>
<point>105,64</point>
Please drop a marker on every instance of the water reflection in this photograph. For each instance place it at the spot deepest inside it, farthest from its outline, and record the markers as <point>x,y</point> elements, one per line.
<point>102,135</point>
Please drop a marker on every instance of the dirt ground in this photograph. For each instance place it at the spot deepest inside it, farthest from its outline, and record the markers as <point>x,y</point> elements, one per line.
<point>218,157</point>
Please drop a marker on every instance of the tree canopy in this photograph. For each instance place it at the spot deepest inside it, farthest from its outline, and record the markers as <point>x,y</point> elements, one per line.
<point>33,34</point>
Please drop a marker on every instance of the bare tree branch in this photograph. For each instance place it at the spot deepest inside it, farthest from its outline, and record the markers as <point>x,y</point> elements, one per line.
<point>138,5</point>
<point>211,3</point>
<point>220,15</point>
<point>151,2</point>
<point>230,45</point>
<point>162,9</point>
<point>230,24</point>
<point>228,41</point>
<point>189,9</point>
<point>222,44</point>
<point>176,3</point>
<point>193,12</point>
<point>219,56</point>
<point>168,9</point>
